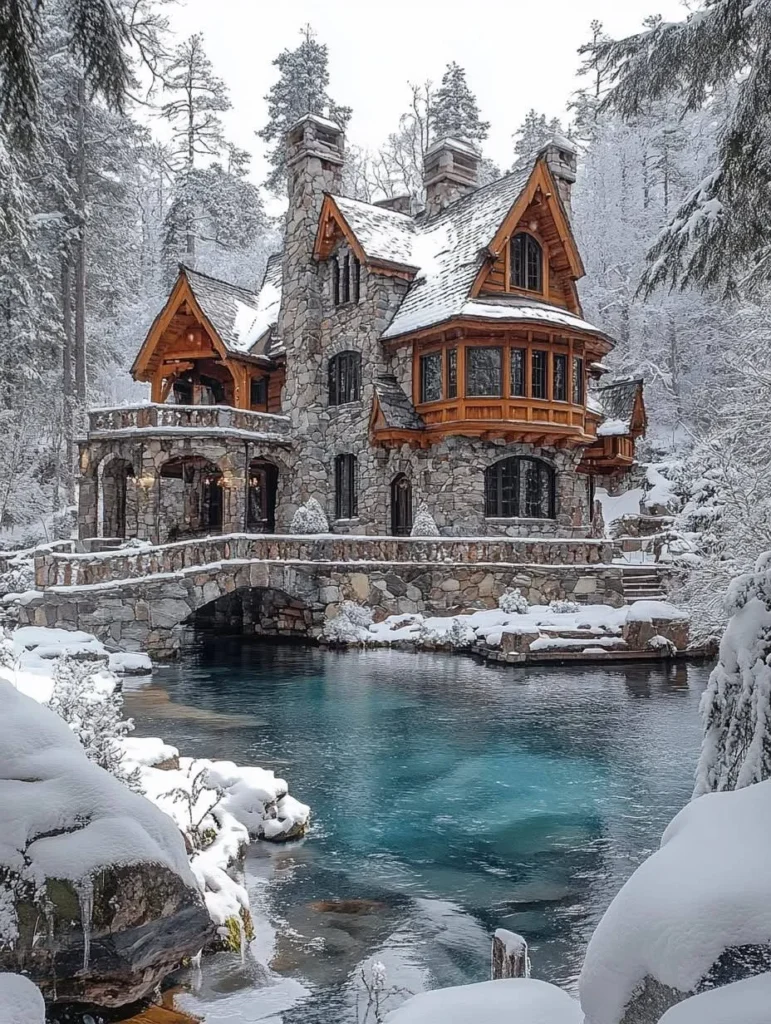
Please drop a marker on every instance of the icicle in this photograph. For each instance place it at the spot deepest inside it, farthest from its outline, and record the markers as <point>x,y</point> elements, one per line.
<point>197,978</point>
<point>85,890</point>
<point>242,938</point>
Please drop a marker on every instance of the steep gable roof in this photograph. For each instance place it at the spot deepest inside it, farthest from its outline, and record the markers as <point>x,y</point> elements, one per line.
<point>232,311</point>
<point>384,235</point>
<point>621,403</point>
<point>267,309</point>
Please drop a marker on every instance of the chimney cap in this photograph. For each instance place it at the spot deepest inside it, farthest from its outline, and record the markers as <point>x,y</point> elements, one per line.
<point>450,142</point>
<point>322,122</point>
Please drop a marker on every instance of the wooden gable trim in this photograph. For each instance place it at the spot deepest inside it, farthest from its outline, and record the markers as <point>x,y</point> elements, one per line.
<point>181,292</point>
<point>542,179</point>
<point>330,218</point>
<point>639,421</point>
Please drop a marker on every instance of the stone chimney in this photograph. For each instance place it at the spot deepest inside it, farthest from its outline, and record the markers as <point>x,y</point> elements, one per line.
<point>399,204</point>
<point>450,170</point>
<point>561,159</point>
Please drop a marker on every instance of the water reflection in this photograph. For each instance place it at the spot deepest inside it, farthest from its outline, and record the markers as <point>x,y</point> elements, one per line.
<point>449,798</point>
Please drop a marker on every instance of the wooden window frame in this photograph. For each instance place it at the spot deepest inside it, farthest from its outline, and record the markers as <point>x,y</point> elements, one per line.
<point>501,348</point>
<point>530,246</point>
<point>534,351</point>
<point>554,396</point>
<point>424,356</point>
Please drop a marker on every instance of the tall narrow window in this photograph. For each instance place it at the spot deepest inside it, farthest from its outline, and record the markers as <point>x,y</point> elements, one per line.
<point>345,378</point>
<point>346,297</point>
<point>356,283</point>
<point>519,487</point>
<point>560,378</point>
<point>258,392</point>
<point>518,357</point>
<point>431,377</point>
<point>526,263</point>
<point>578,380</point>
<point>345,487</point>
<point>483,371</point>
<point>336,281</point>
<point>452,373</point>
<point>538,383</point>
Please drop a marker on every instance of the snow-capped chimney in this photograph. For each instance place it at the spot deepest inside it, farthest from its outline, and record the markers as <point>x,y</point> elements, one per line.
<point>562,160</point>
<point>450,170</point>
<point>315,148</point>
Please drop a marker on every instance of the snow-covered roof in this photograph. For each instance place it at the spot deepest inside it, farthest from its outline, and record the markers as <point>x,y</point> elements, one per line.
<point>268,308</point>
<point>397,409</point>
<point>383,234</point>
<point>616,402</point>
<point>516,308</point>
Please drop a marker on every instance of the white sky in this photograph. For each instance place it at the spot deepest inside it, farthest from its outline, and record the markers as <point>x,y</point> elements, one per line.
<point>517,54</point>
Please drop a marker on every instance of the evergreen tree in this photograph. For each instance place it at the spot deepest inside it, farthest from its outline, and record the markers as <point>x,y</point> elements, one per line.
<point>301,89</point>
<point>586,102</point>
<point>717,59</point>
<point>534,132</point>
<point>455,111</point>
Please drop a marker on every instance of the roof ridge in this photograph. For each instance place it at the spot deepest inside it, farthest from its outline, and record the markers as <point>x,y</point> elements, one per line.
<point>217,280</point>
<point>373,206</point>
<point>475,193</point>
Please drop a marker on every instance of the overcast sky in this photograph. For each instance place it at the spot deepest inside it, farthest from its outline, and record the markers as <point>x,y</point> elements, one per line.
<point>517,54</point>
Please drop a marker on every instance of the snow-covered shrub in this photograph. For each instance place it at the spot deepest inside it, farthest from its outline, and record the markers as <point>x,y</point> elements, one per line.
<point>350,625</point>
<point>564,607</point>
<point>309,518</point>
<point>64,524</point>
<point>92,705</point>
<point>513,602</point>
<point>460,634</point>
<point>424,524</point>
<point>18,577</point>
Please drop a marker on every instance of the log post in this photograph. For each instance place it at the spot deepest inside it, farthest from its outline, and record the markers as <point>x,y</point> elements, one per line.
<point>509,957</point>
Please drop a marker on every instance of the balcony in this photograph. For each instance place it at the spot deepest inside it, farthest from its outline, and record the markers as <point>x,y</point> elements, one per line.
<point>153,419</point>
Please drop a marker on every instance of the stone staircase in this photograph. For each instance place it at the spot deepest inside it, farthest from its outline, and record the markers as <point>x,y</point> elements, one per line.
<point>643,583</point>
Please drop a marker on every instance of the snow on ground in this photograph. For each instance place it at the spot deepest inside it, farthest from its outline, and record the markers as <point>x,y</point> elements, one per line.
<point>706,889</point>
<point>660,490</point>
<point>20,1001</point>
<point>743,1002</point>
<point>617,506</point>
<point>519,1000</point>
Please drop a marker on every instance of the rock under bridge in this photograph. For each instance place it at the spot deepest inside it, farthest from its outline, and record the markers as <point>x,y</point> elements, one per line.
<point>144,598</point>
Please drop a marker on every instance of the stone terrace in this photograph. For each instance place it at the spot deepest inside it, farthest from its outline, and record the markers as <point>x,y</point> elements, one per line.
<point>123,421</point>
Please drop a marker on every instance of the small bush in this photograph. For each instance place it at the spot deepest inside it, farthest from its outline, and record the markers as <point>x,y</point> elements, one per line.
<point>309,518</point>
<point>513,602</point>
<point>564,607</point>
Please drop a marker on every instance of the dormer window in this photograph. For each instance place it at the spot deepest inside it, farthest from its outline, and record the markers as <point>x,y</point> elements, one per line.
<point>346,279</point>
<point>526,263</point>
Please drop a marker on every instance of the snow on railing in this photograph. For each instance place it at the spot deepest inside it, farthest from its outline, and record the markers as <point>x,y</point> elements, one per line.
<point>88,569</point>
<point>193,417</point>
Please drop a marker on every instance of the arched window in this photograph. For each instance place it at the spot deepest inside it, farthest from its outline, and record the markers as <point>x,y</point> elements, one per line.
<point>401,506</point>
<point>519,488</point>
<point>526,263</point>
<point>346,501</point>
<point>345,378</point>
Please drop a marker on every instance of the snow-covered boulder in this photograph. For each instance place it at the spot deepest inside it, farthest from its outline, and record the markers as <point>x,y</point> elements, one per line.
<point>697,913</point>
<point>743,1002</point>
<point>515,1000</point>
<point>309,518</point>
<point>95,887</point>
<point>351,625</point>
<point>424,524</point>
<point>21,1002</point>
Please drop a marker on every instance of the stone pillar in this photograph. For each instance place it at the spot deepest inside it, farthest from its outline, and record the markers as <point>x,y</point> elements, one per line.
<point>562,160</point>
<point>88,494</point>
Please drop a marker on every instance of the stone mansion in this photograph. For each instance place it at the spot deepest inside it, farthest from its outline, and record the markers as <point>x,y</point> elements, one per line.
<point>387,360</point>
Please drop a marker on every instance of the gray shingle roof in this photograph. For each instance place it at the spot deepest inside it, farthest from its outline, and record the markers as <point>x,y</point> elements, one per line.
<point>616,402</point>
<point>398,410</point>
<point>383,234</point>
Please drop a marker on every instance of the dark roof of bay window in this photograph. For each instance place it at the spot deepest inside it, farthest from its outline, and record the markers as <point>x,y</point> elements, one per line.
<point>397,409</point>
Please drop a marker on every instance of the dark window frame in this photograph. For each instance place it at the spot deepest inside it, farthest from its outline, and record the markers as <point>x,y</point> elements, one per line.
<point>526,258</point>
<point>470,349</point>
<point>520,487</point>
<point>344,378</point>
<point>425,358</point>
<point>346,486</point>
<point>452,373</point>
<point>258,385</point>
<point>346,279</point>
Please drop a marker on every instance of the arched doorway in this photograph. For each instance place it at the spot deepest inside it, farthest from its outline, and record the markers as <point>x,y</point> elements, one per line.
<point>113,476</point>
<point>190,498</point>
<point>401,506</point>
<point>261,497</point>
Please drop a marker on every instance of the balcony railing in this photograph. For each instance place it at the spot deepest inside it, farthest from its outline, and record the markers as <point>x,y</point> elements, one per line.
<point>155,418</point>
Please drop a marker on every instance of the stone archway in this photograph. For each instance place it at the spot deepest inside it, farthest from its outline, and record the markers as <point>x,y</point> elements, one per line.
<point>190,497</point>
<point>116,498</point>
<point>262,490</point>
<point>259,611</point>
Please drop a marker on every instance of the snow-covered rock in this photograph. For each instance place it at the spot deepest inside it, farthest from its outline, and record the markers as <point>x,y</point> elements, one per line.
<point>21,1002</point>
<point>424,524</point>
<point>351,625</point>
<point>514,1000</point>
<point>743,1002</point>
<point>700,904</point>
<point>97,891</point>
<point>309,518</point>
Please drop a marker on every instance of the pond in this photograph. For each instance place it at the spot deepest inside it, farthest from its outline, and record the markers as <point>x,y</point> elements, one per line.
<point>449,798</point>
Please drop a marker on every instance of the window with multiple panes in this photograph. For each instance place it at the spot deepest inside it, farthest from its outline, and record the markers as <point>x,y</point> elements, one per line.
<point>518,370</point>
<point>578,380</point>
<point>258,392</point>
<point>345,378</point>
<point>519,488</point>
<point>483,371</point>
<point>452,373</point>
<point>526,263</point>
<point>431,377</point>
<point>559,377</point>
<point>345,487</point>
<point>346,279</point>
<point>539,374</point>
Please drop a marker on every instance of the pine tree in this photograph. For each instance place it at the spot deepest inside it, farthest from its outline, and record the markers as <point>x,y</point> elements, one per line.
<point>534,132</point>
<point>586,102</point>
<point>301,89</point>
<point>455,111</point>
<point>716,59</point>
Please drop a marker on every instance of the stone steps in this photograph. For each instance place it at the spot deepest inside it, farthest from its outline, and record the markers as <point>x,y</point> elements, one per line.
<point>642,583</point>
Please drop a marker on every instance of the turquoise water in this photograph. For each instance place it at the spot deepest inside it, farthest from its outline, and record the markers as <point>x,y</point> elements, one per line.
<point>449,798</point>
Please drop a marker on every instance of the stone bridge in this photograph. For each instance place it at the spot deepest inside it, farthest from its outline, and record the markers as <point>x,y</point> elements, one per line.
<point>143,598</point>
